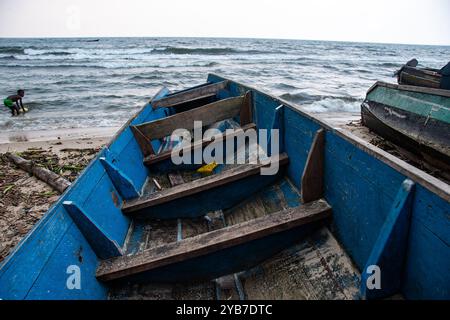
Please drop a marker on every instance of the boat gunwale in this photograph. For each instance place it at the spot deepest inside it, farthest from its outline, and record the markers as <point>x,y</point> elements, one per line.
<point>426,180</point>
<point>405,87</point>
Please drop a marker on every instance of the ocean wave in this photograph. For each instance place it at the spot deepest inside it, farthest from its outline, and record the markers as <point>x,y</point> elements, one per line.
<point>302,97</point>
<point>285,86</point>
<point>152,76</point>
<point>6,57</point>
<point>11,50</point>
<point>333,104</point>
<point>386,64</point>
<point>38,52</point>
<point>206,51</point>
<point>119,53</point>
<point>55,66</point>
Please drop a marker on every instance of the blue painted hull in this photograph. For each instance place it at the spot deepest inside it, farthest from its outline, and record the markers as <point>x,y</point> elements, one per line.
<point>360,183</point>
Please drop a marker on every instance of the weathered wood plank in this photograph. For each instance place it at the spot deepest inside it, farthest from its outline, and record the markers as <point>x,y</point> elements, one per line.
<point>121,181</point>
<point>197,186</point>
<point>154,158</point>
<point>246,109</point>
<point>102,244</point>
<point>214,241</point>
<point>312,177</point>
<point>194,103</point>
<point>127,124</point>
<point>143,142</point>
<point>390,248</point>
<point>208,114</point>
<point>315,268</point>
<point>189,95</point>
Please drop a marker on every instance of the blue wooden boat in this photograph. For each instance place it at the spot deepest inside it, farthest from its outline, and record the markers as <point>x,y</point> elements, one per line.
<point>340,219</point>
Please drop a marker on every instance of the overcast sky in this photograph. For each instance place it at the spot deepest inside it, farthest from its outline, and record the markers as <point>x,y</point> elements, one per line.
<point>393,21</point>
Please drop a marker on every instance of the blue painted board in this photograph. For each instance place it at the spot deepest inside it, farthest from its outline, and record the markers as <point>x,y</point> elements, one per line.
<point>121,181</point>
<point>217,198</point>
<point>224,261</point>
<point>388,254</point>
<point>99,240</point>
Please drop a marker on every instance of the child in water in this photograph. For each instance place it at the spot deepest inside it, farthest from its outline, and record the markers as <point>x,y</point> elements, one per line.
<point>14,102</point>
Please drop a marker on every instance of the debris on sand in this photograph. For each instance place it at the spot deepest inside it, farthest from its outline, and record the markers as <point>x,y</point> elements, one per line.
<point>24,199</point>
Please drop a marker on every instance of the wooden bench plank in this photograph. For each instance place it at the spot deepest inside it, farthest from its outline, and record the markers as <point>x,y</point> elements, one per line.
<point>154,158</point>
<point>197,186</point>
<point>208,114</point>
<point>143,142</point>
<point>192,94</point>
<point>312,177</point>
<point>196,102</point>
<point>213,241</point>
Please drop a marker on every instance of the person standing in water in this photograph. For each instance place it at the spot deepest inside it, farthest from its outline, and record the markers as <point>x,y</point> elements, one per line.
<point>14,102</point>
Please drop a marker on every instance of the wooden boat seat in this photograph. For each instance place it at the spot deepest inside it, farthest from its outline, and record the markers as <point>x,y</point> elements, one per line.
<point>197,186</point>
<point>155,158</point>
<point>198,93</point>
<point>208,114</point>
<point>212,242</point>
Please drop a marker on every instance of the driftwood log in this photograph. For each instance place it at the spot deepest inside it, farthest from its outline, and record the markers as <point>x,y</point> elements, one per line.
<point>52,179</point>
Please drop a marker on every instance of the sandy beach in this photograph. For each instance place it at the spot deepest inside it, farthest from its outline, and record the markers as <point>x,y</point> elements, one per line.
<point>55,139</point>
<point>24,199</point>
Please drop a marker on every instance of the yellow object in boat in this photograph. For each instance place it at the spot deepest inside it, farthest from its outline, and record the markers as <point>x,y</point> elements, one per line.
<point>207,168</point>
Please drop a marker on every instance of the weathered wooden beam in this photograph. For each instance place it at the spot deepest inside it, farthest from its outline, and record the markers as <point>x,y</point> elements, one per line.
<point>144,143</point>
<point>155,158</point>
<point>389,251</point>
<point>213,242</point>
<point>189,95</point>
<point>159,93</point>
<point>246,115</point>
<point>103,245</point>
<point>194,103</point>
<point>208,114</point>
<point>312,177</point>
<point>121,181</point>
<point>277,124</point>
<point>52,179</point>
<point>198,186</point>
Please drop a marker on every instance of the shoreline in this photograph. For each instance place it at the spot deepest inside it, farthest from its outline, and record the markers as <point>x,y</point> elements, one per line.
<point>78,138</point>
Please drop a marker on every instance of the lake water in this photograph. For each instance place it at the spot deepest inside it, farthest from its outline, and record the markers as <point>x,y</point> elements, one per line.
<point>77,83</point>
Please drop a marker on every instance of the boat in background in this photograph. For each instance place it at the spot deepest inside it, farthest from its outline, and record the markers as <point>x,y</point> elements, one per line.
<point>414,118</point>
<point>412,75</point>
<point>339,211</point>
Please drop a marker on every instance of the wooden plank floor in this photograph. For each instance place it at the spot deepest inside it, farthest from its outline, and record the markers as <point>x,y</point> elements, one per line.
<point>316,268</point>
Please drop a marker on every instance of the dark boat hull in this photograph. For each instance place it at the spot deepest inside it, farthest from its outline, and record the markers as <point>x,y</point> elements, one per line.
<point>419,77</point>
<point>426,136</point>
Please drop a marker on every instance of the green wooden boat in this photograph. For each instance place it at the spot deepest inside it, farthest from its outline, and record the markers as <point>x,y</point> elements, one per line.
<point>415,118</point>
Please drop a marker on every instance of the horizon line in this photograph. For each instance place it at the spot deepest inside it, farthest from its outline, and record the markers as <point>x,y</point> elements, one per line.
<point>222,37</point>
